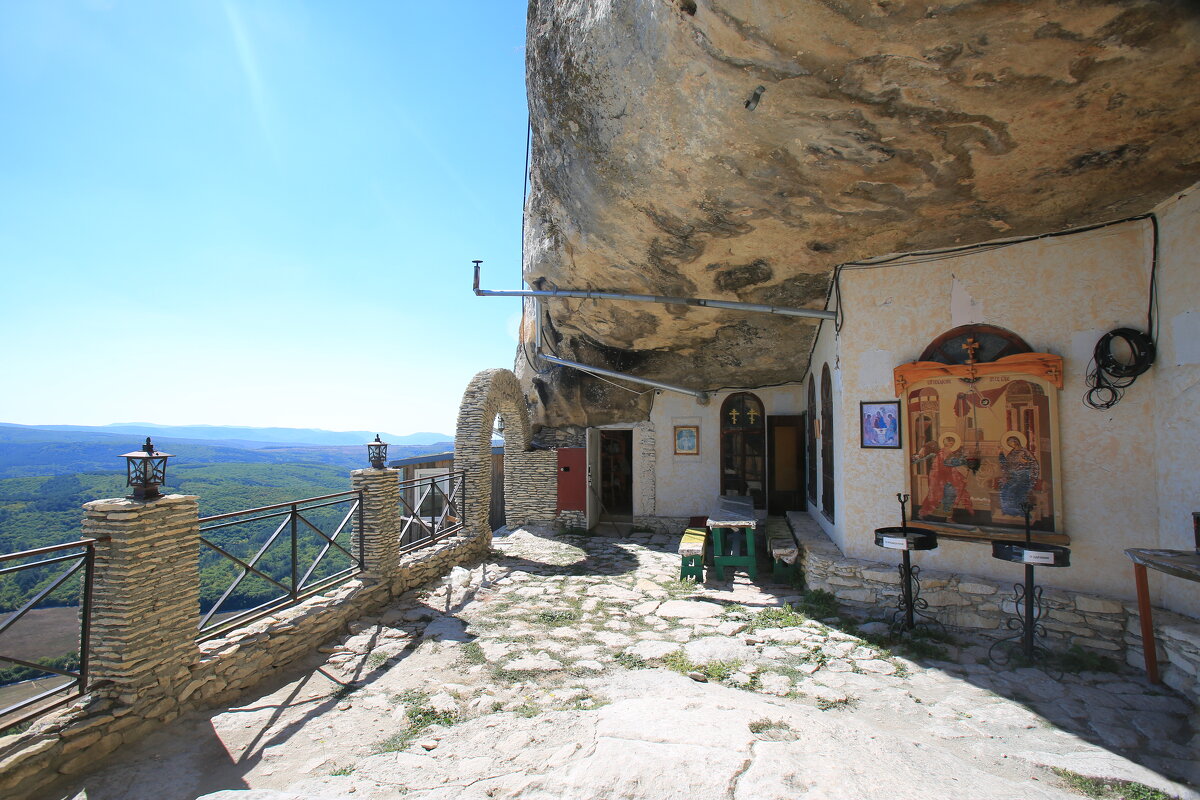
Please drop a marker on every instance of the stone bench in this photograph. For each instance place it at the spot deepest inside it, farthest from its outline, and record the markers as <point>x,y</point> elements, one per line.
<point>691,551</point>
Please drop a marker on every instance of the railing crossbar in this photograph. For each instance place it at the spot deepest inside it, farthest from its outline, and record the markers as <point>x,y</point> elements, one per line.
<point>263,609</point>
<point>278,505</point>
<point>16,615</point>
<point>205,528</point>
<point>331,542</point>
<point>293,515</point>
<point>246,569</point>
<point>43,667</point>
<point>32,564</point>
<point>50,548</point>
<point>30,701</point>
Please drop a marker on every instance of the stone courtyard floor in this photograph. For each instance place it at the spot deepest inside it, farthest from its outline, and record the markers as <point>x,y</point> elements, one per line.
<point>561,670</point>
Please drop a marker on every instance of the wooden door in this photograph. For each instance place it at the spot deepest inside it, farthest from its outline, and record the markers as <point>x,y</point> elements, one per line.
<point>785,477</point>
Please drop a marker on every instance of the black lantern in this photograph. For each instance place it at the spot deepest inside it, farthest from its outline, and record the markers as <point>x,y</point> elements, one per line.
<point>377,452</point>
<point>146,471</point>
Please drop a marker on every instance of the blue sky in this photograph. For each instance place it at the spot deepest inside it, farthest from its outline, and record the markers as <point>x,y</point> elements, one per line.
<point>257,212</point>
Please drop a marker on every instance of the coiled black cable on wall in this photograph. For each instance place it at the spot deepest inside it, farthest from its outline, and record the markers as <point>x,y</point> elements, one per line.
<point>1109,373</point>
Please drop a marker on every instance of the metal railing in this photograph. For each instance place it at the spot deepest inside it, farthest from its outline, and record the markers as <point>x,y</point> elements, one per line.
<point>40,699</point>
<point>276,561</point>
<point>430,509</point>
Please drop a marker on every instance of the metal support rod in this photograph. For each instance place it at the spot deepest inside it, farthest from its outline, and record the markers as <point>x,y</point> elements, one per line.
<point>701,397</point>
<point>909,622</point>
<point>1027,642</point>
<point>85,615</point>
<point>295,566</point>
<point>787,311</point>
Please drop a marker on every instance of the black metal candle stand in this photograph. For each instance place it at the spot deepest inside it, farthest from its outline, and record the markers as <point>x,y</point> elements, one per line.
<point>1028,607</point>
<point>911,605</point>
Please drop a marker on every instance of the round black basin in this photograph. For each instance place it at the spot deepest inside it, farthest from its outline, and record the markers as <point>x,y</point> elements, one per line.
<point>1033,553</point>
<point>905,538</point>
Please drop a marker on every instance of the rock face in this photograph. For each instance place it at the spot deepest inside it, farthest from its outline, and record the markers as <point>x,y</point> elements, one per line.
<point>740,149</point>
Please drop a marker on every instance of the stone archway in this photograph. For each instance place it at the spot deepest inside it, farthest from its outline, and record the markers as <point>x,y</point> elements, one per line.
<point>490,393</point>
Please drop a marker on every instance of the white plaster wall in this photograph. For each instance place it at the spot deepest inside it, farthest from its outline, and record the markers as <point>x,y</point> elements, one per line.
<point>1177,382</point>
<point>688,485</point>
<point>1060,295</point>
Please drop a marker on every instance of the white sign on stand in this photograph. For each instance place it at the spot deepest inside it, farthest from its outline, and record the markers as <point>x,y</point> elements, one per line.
<point>1037,557</point>
<point>895,542</point>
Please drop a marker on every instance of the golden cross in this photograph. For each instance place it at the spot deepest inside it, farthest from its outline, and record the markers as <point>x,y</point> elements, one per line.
<point>733,415</point>
<point>971,346</point>
<point>752,415</point>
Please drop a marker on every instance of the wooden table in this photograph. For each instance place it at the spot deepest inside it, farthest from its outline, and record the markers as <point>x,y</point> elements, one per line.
<point>733,513</point>
<point>1180,563</point>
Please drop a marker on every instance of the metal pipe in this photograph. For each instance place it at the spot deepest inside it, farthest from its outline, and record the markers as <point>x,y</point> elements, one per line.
<point>701,397</point>
<point>786,311</point>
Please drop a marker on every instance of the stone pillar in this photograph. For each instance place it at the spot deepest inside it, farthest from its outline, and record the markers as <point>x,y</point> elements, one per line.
<point>145,598</point>
<point>380,532</point>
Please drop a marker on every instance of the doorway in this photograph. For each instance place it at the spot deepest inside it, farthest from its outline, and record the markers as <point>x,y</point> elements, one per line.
<point>785,477</point>
<point>616,473</point>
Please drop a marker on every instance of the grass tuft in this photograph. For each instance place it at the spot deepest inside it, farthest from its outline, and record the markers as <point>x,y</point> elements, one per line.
<point>765,725</point>
<point>420,716</point>
<point>783,617</point>
<point>1076,659</point>
<point>836,705</point>
<point>472,653</point>
<point>559,616</point>
<point>1110,788</point>
<point>681,587</point>
<point>630,661</point>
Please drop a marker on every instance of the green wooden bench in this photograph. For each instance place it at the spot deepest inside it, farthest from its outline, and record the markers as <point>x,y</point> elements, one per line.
<point>691,550</point>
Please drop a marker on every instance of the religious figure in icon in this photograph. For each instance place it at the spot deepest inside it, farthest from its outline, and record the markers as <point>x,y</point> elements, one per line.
<point>947,485</point>
<point>1019,473</point>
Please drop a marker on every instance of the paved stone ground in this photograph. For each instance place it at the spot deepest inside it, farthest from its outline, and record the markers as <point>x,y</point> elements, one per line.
<point>559,670</point>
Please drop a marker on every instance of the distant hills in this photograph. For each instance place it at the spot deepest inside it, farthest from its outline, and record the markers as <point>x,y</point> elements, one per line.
<point>27,451</point>
<point>237,436</point>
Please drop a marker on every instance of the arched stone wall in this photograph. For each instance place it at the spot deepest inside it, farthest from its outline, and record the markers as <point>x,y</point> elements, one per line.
<point>490,393</point>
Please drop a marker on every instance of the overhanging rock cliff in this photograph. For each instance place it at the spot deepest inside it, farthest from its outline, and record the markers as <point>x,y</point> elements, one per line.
<point>740,149</point>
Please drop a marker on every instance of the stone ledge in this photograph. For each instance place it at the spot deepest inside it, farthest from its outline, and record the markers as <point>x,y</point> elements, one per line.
<point>1105,625</point>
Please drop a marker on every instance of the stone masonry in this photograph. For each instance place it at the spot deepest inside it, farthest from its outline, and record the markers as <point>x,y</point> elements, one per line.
<point>491,393</point>
<point>380,537</point>
<point>530,476</point>
<point>148,668</point>
<point>530,486</point>
<point>1102,624</point>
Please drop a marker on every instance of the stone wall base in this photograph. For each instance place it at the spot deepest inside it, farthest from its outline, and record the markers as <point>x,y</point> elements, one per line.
<point>1101,624</point>
<point>74,739</point>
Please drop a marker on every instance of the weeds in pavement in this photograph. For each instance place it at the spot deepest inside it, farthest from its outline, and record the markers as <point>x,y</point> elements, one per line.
<point>1109,788</point>
<point>420,716</point>
<point>840,704</point>
<point>765,725</point>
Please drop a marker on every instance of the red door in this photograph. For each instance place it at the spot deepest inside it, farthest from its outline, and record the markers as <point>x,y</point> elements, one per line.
<point>572,479</point>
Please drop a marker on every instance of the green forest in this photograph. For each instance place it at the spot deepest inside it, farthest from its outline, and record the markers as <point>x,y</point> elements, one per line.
<point>46,477</point>
<point>35,512</point>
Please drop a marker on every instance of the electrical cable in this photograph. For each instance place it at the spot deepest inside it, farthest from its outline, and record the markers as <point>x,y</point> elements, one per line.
<point>940,254</point>
<point>1109,375</point>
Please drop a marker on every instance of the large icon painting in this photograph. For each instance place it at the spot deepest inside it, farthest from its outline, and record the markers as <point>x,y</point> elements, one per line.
<point>982,442</point>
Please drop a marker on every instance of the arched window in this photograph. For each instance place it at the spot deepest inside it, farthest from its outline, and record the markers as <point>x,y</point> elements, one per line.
<point>826,442</point>
<point>984,342</point>
<point>743,447</point>
<point>811,449</point>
